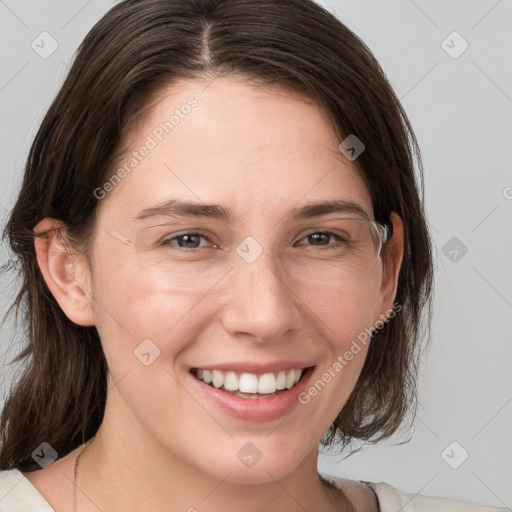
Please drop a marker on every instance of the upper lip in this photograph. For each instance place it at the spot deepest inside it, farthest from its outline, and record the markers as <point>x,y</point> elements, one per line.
<point>255,367</point>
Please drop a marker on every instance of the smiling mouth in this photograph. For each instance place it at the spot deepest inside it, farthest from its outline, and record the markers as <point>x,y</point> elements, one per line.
<point>251,385</point>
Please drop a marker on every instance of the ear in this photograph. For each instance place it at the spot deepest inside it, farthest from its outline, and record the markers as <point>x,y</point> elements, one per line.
<point>65,272</point>
<point>392,261</point>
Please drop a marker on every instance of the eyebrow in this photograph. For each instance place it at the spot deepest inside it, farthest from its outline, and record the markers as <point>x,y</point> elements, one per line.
<point>175,208</point>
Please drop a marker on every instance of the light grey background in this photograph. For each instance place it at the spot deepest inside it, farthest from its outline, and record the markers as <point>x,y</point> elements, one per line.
<point>461,111</point>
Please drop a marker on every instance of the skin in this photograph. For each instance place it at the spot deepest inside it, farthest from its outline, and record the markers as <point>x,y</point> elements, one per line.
<point>259,152</point>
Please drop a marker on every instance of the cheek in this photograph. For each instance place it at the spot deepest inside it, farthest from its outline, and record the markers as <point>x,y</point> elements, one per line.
<point>143,332</point>
<point>345,314</point>
<point>346,309</point>
<point>132,308</point>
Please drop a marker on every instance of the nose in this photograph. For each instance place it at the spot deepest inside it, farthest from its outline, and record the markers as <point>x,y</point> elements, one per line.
<point>260,302</point>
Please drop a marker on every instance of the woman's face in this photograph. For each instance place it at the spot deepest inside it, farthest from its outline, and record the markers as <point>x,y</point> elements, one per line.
<point>246,293</point>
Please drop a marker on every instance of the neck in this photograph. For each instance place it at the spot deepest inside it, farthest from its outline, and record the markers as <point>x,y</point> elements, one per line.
<point>114,474</point>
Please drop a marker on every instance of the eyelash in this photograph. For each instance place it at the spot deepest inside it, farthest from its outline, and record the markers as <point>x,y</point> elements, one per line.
<point>167,242</point>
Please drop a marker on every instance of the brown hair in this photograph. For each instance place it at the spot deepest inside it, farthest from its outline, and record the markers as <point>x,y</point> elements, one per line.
<point>135,49</point>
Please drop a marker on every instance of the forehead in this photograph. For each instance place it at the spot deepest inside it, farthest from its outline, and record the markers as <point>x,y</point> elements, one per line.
<point>226,141</point>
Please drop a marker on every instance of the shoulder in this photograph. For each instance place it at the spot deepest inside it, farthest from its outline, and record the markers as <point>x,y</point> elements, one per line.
<point>391,499</point>
<point>17,494</point>
<point>361,496</point>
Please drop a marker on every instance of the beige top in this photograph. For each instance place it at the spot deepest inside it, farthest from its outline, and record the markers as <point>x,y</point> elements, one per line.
<point>17,494</point>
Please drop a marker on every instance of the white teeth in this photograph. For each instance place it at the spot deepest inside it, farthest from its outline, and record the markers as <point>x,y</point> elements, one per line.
<point>290,379</point>
<point>217,378</point>
<point>207,376</point>
<point>266,384</point>
<point>281,380</point>
<point>231,381</point>
<point>248,383</point>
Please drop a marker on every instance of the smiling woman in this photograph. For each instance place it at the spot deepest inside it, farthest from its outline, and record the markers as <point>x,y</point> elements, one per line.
<point>211,292</point>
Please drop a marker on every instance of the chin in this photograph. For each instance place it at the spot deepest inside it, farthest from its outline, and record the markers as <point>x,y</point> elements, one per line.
<point>256,461</point>
<point>260,473</point>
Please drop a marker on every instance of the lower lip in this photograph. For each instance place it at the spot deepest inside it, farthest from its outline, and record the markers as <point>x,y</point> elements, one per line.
<point>255,409</point>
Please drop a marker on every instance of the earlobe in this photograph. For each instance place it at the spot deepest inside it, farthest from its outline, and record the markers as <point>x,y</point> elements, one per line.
<point>65,272</point>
